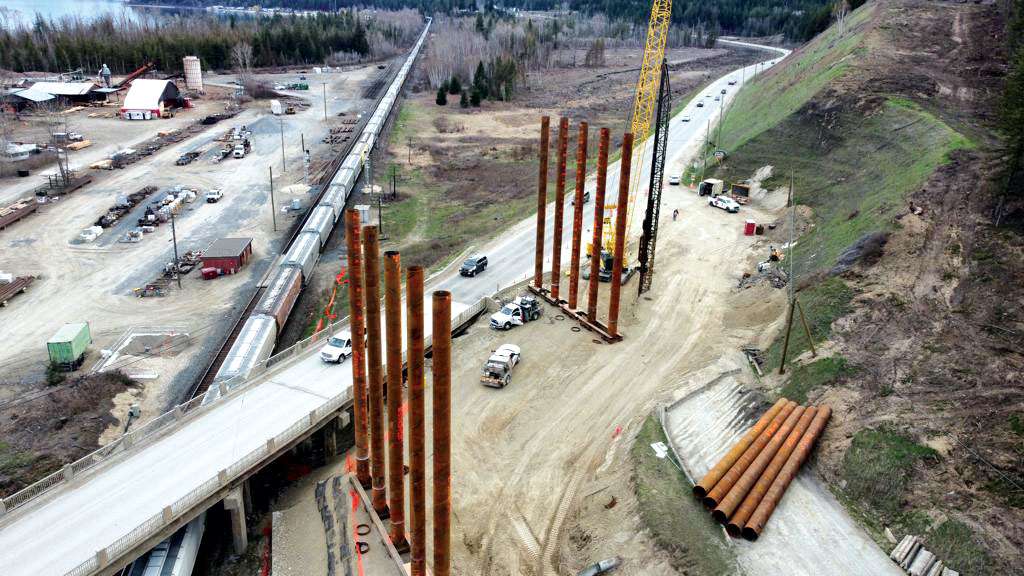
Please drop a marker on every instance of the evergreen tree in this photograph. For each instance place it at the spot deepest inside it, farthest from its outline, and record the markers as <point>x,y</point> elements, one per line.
<point>464,100</point>
<point>454,86</point>
<point>474,97</point>
<point>480,81</point>
<point>442,97</point>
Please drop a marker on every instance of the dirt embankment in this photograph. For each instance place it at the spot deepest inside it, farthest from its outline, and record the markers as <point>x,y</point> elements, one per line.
<point>55,426</point>
<point>924,359</point>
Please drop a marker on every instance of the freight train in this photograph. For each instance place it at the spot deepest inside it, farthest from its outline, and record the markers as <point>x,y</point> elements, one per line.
<point>258,335</point>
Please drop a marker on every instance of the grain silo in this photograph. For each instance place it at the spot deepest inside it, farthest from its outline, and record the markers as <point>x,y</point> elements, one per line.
<point>193,73</point>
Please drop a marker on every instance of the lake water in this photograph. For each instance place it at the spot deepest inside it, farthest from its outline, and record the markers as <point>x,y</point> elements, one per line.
<point>24,11</point>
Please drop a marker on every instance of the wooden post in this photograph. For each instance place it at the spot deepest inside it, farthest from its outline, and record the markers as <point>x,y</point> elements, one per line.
<point>807,330</point>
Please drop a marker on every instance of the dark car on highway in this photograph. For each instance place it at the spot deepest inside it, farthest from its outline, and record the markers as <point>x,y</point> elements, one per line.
<point>473,266</point>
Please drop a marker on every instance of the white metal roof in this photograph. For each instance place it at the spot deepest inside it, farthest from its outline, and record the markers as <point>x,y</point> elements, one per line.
<point>33,95</point>
<point>145,94</point>
<point>64,88</point>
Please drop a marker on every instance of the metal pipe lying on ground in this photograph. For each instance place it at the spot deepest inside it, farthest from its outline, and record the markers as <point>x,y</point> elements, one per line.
<point>595,246</point>
<point>743,462</point>
<point>790,438</point>
<point>396,444</point>
<point>556,244</point>
<point>375,382</point>
<point>577,215</point>
<point>417,447</point>
<point>701,489</point>
<point>353,243</point>
<point>542,202</point>
<point>732,499</point>
<point>442,370</point>
<point>619,255</point>
<point>771,499</point>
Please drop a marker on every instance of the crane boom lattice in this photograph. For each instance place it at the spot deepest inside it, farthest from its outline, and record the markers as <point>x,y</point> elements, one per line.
<point>649,239</point>
<point>643,110</point>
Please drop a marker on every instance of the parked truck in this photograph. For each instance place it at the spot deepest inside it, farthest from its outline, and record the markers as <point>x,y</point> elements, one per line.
<point>275,107</point>
<point>497,371</point>
<point>67,347</point>
<point>516,313</point>
<point>710,187</point>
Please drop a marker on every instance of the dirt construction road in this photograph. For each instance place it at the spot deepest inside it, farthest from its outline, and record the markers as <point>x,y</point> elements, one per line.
<point>528,457</point>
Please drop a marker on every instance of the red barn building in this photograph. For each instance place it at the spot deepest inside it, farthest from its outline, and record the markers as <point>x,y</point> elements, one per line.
<point>227,255</point>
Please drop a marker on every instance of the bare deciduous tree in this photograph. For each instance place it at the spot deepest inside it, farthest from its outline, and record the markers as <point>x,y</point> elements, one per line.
<point>241,56</point>
<point>840,9</point>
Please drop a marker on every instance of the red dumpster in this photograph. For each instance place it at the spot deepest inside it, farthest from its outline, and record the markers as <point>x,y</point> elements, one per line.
<point>210,273</point>
<point>749,227</point>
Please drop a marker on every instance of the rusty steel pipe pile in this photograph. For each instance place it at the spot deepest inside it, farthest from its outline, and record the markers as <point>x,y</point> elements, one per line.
<point>595,246</point>
<point>622,207</point>
<point>556,245</point>
<point>442,412</point>
<point>371,258</point>
<point>577,215</point>
<point>417,425</point>
<point>542,202</point>
<point>353,242</point>
<point>746,485</point>
<point>396,444</point>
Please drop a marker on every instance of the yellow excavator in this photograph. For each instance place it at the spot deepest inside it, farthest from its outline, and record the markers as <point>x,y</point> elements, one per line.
<point>645,107</point>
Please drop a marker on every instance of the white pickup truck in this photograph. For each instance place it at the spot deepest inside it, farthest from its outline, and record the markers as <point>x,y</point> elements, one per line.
<point>214,196</point>
<point>497,372</point>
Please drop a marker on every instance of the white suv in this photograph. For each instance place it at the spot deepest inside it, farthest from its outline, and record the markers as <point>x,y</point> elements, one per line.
<point>725,203</point>
<point>338,348</point>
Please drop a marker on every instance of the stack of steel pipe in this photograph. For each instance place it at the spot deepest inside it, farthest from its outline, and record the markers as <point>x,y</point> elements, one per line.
<point>746,485</point>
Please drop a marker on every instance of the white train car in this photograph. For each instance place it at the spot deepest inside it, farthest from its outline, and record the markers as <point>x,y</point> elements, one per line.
<point>320,222</point>
<point>304,254</point>
<point>252,347</point>
<point>335,197</point>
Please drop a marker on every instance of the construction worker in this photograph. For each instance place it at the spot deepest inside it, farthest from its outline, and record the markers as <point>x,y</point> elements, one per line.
<point>105,75</point>
<point>675,214</point>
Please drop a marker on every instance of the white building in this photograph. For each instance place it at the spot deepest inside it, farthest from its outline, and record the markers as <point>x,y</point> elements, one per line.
<point>147,99</point>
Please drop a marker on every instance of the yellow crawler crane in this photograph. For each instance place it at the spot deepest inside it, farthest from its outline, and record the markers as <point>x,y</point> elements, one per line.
<point>644,108</point>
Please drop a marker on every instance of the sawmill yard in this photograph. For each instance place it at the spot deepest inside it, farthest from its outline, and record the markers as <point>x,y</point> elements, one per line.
<point>96,281</point>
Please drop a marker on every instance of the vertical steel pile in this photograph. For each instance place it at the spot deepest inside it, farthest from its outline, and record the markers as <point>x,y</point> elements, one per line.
<point>577,215</point>
<point>556,245</point>
<point>371,257</point>
<point>396,444</point>
<point>353,243</point>
<point>595,246</point>
<point>620,234</point>
<point>542,201</point>
<point>746,485</point>
<point>442,370</point>
<point>417,448</point>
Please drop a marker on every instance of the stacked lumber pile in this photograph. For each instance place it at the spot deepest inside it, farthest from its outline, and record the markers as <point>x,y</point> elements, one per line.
<point>744,487</point>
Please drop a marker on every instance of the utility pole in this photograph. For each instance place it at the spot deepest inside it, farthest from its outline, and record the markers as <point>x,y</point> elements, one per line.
<point>325,100</point>
<point>704,155</point>
<point>409,148</point>
<point>305,160</point>
<point>174,238</point>
<point>394,182</point>
<point>273,204</point>
<point>721,119</point>
<point>281,122</point>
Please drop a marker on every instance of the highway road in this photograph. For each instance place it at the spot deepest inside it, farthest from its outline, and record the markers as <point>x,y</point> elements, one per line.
<point>62,529</point>
<point>511,255</point>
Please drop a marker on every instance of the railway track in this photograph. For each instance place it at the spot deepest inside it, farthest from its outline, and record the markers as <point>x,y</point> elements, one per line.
<point>202,384</point>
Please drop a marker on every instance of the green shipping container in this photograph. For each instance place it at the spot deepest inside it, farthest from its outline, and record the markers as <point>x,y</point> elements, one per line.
<point>67,347</point>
